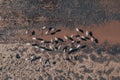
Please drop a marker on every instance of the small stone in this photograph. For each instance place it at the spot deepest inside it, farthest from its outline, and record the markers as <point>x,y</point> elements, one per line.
<point>40,60</point>
<point>47,62</point>
<point>76,57</point>
<point>17,56</point>
<point>26,59</point>
<point>101,78</point>
<point>28,44</point>
<point>33,38</point>
<point>54,62</point>
<point>0,68</point>
<point>89,78</point>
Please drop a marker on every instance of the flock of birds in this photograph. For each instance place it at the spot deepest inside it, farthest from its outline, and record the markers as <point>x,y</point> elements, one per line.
<point>68,44</point>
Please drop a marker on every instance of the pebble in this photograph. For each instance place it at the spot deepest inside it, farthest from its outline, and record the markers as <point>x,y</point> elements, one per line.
<point>17,56</point>
<point>26,59</point>
<point>28,44</point>
<point>47,62</point>
<point>54,62</point>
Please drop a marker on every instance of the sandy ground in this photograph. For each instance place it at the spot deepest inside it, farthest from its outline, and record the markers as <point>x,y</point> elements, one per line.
<point>89,65</point>
<point>80,69</point>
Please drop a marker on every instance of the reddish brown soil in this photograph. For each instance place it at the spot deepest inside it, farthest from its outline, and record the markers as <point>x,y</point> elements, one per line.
<point>106,32</point>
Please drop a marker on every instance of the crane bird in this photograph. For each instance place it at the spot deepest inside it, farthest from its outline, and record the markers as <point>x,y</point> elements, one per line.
<point>90,33</point>
<point>72,50</point>
<point>53,33</point>
<point>66,37</point>
<point>60,39</point>
<point>39,39</point>
<point>83,38</point>
<point>51,29</point>
<point>65,48</point>
<point>58,30</point>
<point>96,40</point>
<point>87,33</point>
<point>79,30</point>
<point>46,32</point>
